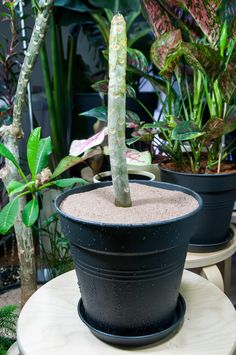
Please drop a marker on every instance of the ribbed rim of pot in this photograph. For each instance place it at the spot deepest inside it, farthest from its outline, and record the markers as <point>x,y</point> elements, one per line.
<point>168,186</point>
<point>130,172</point>
<point>215,176</point>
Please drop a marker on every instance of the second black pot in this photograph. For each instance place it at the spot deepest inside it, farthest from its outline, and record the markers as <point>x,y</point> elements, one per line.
<point>218,192</point>
<point>129,275</point>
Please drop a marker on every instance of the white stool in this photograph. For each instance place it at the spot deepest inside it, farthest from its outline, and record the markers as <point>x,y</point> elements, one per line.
<point>207,262</point>
<point>49,323</point>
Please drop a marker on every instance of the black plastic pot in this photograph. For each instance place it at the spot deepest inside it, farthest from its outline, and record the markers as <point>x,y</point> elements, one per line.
<point>218,192</point>
<point>129,275</point>
<point>133,175</point>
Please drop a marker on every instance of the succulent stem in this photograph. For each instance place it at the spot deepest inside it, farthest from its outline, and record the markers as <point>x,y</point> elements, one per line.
<point>116,110</point>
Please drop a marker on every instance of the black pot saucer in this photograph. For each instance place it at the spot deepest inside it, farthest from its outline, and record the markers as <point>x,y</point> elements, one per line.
<point>208,248</point>
<point>133,341</point>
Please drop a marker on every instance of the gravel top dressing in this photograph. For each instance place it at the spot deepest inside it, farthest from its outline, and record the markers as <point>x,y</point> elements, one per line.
<point>150,204</point>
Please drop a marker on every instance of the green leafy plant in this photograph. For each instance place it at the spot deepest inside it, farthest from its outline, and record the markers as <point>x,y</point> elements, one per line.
<point>11,135</point>
<point>90,19</point>
<point>56,258</point>
<point>197,56</point>
<point>10,60</point>
<point>38,153</point>
<point>8,318</point>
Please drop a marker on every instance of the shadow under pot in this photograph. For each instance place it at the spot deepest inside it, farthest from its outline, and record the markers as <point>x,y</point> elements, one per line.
<point>133,175</point>
<point>129,274</point>
<point>218,192</point>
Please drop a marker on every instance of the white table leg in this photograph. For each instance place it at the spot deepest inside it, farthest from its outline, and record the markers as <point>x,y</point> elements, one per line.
<point>213,274</point>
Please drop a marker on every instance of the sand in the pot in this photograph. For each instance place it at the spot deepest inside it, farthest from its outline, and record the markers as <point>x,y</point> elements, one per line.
<point>149,204</point>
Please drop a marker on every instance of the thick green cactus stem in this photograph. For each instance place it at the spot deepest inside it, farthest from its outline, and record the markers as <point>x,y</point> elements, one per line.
<point>116,110</point>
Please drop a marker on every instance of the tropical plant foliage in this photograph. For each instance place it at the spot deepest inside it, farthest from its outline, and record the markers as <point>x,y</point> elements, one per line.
<point>38,153</point>
<point>10,60</point>
<point>57,258</point>
<point>195,53</point>
<point>8,318</point>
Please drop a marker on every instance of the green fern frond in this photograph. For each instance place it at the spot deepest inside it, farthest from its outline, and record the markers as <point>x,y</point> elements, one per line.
<point>8,318</point>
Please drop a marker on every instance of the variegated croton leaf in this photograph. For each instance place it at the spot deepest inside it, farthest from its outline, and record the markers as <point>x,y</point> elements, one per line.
<point>212,5</point>
<point>213,129</point>
<point>197,55</point>
<point>157,17</point>
<point>102,86</point>
<point>230,119</point>
<point>227,79</point>
<point>137,60</point>
<point>204,13</point>
<point>186,130</point>
<point>163,45</point>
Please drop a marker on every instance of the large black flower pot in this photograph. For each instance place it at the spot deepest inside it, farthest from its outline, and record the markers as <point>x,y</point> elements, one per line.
<point>129,275</point>
<point>218,192</point>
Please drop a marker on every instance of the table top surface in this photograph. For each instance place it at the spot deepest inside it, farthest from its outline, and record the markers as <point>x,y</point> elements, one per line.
<point>194,260</point>
<point>49,323</point>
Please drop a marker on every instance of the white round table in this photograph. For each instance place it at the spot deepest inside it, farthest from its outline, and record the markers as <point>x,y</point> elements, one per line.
<point>49,323</point>
<point>207,262</point>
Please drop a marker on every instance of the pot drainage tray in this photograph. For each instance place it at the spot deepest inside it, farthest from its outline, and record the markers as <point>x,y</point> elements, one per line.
<point>141,340</point>
<point>208,248</point>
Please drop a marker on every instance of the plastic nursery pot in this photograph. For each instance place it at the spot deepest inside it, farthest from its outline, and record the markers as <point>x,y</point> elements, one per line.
<point>218,192</point>
<point>129,275</point>
<point>133,175</point>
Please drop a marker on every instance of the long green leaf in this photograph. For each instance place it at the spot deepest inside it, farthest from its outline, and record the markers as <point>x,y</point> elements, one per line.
<point>65,164</point>
<point>14,185</point>
<point>22,188</point>
<point>157,124</point>
<point>69,161</point>
<point>67,182</point>
<point>44,151</point>
<point>30,212</point>
<point>99,112</point>
<point>32,149</point>
<point>7,154</point>
<point>186,131</point>
<point>132,140</point>
<point>8,215</point>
